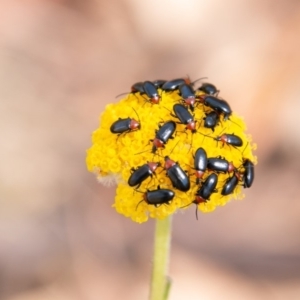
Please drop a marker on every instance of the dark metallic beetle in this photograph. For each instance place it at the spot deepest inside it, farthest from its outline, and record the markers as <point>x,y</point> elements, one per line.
<point>151,92</point>
<point>208,89</point>
<point>142,173</point>
<point>220,165</point>
<point>163,134</point>
<point>174,84</point>
<point>220,106</point>
<point>179,178</point>
<point>200,163</point>
<point>230,139</point>
<point>211,120</point>
<point>207,188</point>
<point>137,87</point>
<point>248,174</point>
<point>226,138</point>
<point>185,117</point>
<point>205,191</point>
<point>158,197</point>
<point>124,125</point>
<point>188,95</point>
<point>230,185</point>
<point>159,83</point>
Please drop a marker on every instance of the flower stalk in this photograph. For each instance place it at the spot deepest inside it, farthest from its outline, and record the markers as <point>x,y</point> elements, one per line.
<point>160,282</point>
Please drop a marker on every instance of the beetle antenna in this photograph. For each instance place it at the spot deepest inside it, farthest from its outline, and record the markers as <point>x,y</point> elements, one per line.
<point>141,152</point>
<point>122,94</point>
<point>186,205</point>
<point>139,204</point>
<point>174,147</point>
<point>234,123</point>
<point>206,135</point>
<point>245,148</point>
<point>139,191</point>
<point>168,109</point>
<point>191,142</point>
<point>192,83</point>
<point>137,115</point>
<point>222,131</point>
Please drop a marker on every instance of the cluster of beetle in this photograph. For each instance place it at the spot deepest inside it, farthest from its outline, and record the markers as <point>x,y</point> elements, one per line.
<point>206,94</point>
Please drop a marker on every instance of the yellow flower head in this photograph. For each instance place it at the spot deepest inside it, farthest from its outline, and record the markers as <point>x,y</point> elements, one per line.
<point>169,147</point>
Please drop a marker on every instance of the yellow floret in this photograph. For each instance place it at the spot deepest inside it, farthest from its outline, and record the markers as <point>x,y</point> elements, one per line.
<point>112,156</point>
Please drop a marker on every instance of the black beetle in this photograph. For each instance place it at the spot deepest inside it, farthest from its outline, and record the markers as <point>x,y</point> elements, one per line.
<point>249,173</point>
<point>142,173</point>
<point>207,188</point>
<point>208,89</point>
<point>188,95</point>
<point>158,197</point>
<point>211,120</point>
<point>220,106</point>
<point>205,191</point>
<point>163,134</point>
<point>200,163</point>
<point>220,165</point>
<point>185,117</point>
<point>159,83</point>
<point>230,185</point>
<point>173,85</point>
<point>137,87</point>
<point>124,125</point>
<point>151,92</point>
<point>226,138</point>
<point>230,139</point>
<point>179,178</point>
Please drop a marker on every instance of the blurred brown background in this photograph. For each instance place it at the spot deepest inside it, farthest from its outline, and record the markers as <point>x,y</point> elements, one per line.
<point>61,62</point>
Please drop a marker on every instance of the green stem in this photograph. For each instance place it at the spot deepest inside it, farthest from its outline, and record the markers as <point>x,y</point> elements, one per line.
<point>160,283</point>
